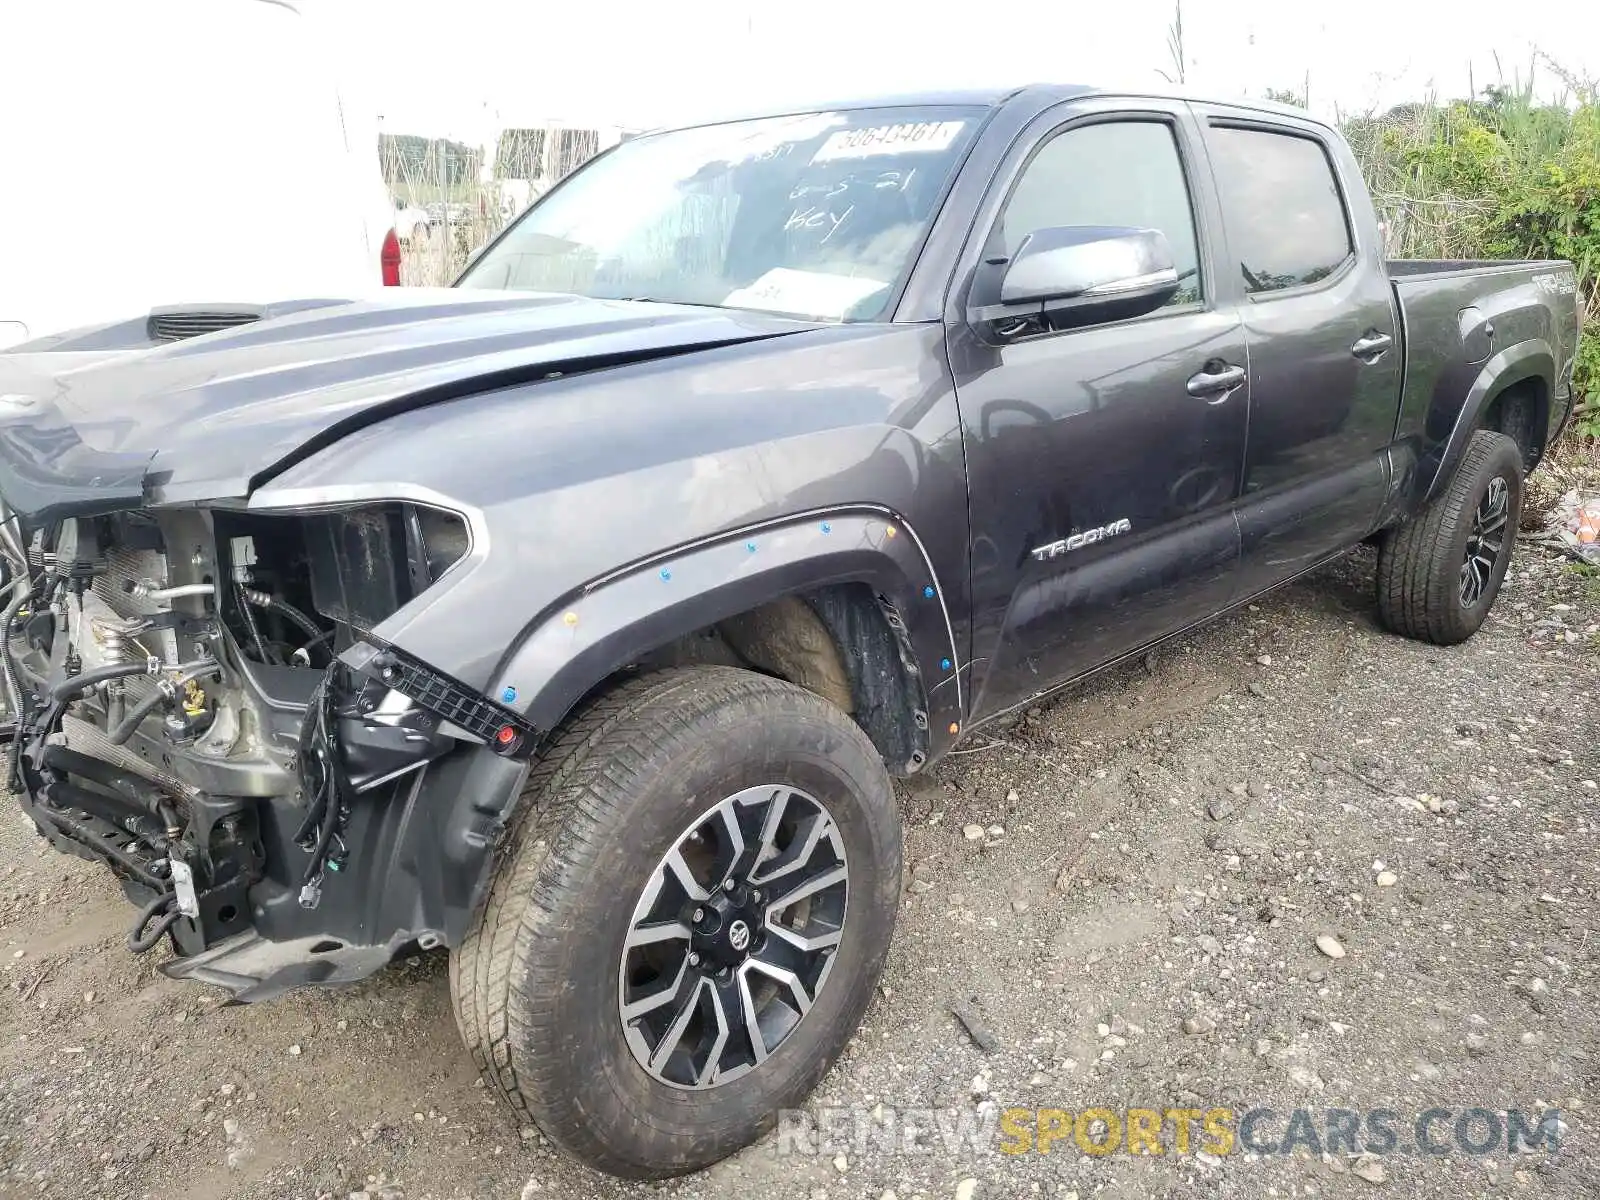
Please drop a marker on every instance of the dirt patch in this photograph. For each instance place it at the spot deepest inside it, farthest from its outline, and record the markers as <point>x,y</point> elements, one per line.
<point>1163,847</point>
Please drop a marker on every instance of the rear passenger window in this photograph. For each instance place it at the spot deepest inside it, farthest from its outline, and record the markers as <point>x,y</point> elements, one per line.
<point>1281,205</point>
<point>1118,173</point>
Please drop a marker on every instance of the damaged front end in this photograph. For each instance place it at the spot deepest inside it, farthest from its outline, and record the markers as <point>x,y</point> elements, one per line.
<point>201,703</point>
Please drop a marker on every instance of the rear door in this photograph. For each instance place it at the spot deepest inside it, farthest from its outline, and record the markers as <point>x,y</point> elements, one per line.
<point>1323,338</point>
<point>1103,460</point>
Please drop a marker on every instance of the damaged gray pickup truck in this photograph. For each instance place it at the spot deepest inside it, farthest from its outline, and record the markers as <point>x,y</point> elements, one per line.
<point>576,618</point>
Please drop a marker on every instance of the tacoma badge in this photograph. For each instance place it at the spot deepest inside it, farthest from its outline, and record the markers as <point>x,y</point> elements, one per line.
<point>1078,540</point>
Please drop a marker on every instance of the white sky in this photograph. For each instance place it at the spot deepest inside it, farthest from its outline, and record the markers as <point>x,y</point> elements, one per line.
<point>464,68</point>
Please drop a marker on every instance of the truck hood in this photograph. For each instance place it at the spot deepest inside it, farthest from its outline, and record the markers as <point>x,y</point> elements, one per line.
<point>213,417</point>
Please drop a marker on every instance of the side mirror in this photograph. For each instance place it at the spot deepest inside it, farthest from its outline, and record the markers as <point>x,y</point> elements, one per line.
<point>1084,273</point>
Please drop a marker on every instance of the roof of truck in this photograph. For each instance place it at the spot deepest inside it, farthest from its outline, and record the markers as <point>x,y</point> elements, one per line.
<point>1041,93</point>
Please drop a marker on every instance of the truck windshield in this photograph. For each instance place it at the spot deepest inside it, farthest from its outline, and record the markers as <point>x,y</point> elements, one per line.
<point>813,216</point>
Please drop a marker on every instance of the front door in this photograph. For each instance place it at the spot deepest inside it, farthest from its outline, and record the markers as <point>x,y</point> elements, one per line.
<point>1103,460</point>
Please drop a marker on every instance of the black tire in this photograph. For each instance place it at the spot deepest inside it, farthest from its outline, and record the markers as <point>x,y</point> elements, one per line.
<point>1421,587</point>
<point>536,981</point>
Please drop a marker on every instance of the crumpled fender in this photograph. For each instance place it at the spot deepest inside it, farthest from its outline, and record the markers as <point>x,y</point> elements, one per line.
<point>617,619</point>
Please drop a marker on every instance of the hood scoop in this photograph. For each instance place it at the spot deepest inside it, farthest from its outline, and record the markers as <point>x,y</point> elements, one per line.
<point>178,323</point>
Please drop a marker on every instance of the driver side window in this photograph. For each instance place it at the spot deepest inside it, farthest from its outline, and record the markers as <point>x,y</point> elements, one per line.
<point>1112,173</point>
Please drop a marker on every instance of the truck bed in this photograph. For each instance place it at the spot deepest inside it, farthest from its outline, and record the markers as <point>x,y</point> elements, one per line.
<point>1457,314</point>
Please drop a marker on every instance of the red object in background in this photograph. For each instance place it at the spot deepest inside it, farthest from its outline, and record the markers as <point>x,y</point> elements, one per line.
<point>389,256</point>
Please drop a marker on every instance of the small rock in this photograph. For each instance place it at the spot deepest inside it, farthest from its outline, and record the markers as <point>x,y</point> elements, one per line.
<point>1198,1024</point>
<point>1220,808</point>
<point>1208,1159</point>
<point>1477,1044</point>
<point>1012,797</point>
<point>1210,945</point>
<point>230,1127</point>
<point>1387,879</point>
<point>88,997</point>
<point>1371,1169</point>
<point>966,1189</point>
<point>146,1152</point>
<point>1316,976</point>
<point>841,1164</point>
<point>973,833</point>
<point>294,1050</point>
<point>919,884</point>
<point>1019,906</point>
<point>888,1194</point>
<point>1307,1078</point>
<point>226,1089</point>
<point>1330,945</point>
<point>976,1029</point>
<point>1264,659</point>
<point>1258,691</point>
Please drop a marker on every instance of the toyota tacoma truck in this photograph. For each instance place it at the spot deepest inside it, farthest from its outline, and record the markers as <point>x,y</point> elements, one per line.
<point>576,619</point>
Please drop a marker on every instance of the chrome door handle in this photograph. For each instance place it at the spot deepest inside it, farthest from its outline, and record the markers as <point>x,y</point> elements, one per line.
<point>1215,386</point>
<point>1372,345</point>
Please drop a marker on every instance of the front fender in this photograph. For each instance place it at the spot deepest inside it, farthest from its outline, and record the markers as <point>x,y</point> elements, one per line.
<point>1532,359</point>
<point>617,619</point>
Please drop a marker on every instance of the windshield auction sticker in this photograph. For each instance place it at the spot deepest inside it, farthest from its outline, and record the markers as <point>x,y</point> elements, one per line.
<point>813,293</point>
<point>912,137</point>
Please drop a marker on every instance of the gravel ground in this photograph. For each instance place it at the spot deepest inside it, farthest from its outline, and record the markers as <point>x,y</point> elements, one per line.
<point>1122,892</point>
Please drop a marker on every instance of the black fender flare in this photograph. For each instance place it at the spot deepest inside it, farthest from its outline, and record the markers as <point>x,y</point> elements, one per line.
<point>616,619</point>
<point>1531,359</point>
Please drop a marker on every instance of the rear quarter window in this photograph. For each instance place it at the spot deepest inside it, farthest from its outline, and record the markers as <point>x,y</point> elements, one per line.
<point>1281,205</point>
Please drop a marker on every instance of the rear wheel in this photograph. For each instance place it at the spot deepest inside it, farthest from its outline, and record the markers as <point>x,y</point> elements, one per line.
<point>1439,575</point>
<point>688,922</point>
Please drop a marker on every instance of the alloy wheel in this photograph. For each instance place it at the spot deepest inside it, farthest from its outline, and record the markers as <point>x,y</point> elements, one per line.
<point>1485,541</point>
<point>733,937</point>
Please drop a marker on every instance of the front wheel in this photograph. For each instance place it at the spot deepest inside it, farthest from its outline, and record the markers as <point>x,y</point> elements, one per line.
<point>1439,574</point>
<point>688,922</point>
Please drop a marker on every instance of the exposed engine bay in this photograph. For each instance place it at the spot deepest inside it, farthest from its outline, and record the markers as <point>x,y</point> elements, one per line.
<point>200,703</point>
